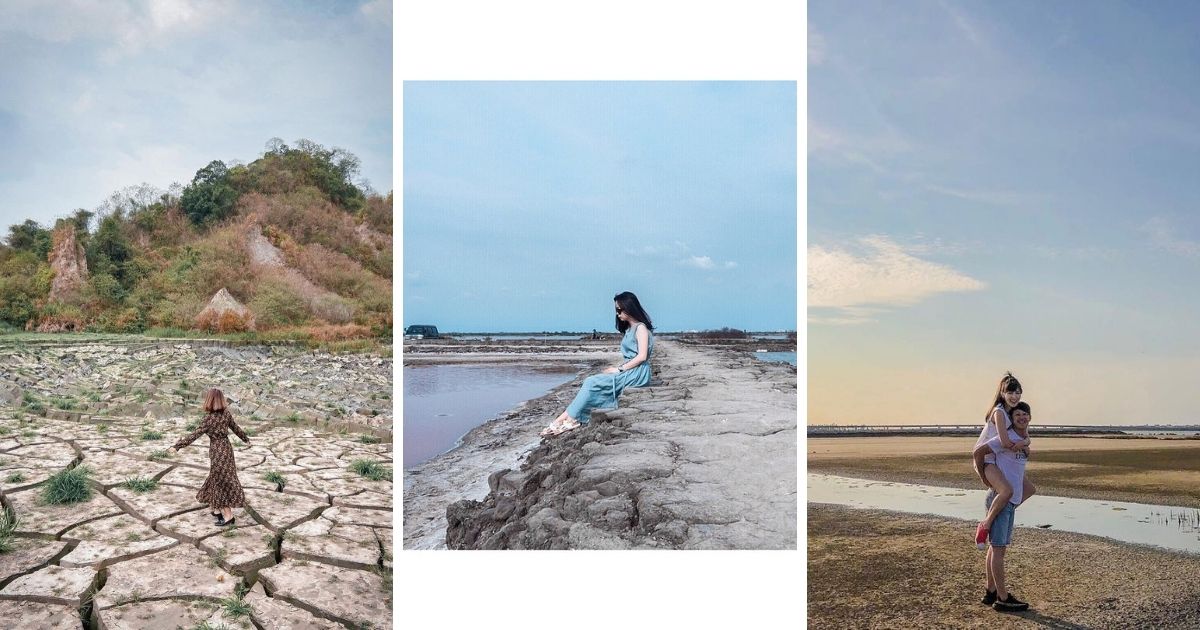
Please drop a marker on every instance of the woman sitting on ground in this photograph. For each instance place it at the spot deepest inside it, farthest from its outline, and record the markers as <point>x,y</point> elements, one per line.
<point>602,390</point>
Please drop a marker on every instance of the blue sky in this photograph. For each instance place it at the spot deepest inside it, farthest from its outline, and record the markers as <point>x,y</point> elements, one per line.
<point>997,186</point>
<point>528,206</point>
<point>99,96</point>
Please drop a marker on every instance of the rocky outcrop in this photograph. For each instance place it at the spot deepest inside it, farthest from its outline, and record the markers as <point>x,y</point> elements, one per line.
<point>225,314</point>
<point>706,460</point>
<point>266,257</point>
<point>69,264</point>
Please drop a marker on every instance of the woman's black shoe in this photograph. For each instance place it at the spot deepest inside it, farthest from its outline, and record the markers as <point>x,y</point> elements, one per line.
<point>223,523</point>
<point>1010,604</point>
<point>989,598</point>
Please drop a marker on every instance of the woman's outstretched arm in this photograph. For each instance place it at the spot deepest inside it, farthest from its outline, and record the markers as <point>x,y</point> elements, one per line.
<point>203,428</point>
<point>233,426</point>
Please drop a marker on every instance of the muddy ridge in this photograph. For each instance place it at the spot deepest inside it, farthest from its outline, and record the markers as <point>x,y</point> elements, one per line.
<point>705,458</point>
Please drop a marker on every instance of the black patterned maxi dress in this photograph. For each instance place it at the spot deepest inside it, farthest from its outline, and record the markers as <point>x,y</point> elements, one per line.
<point>221,489</point>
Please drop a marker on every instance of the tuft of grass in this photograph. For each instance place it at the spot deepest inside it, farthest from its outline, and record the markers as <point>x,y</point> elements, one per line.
<point>15,477</point>
<point>65,403</point>
<point>102,428</point>
<point>371,469</point>
<point>8,525</point>
<point>369,439</point>
<point>5,430</point>
<point>204,625</point>
<point>150,434</point>
<point>293,417</point>
<point>160,454</point>
<point>218,557</point>
<point>191,426</point>
<point>235,607</point>
<point>140,484</point>
<point>276,478</point>
<point>68,486</point>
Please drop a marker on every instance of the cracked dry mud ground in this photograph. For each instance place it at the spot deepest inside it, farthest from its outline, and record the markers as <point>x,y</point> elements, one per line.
<point>705,460</point>
<point>316,553</point>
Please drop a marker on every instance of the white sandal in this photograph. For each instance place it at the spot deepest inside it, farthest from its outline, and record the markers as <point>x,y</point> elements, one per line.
<point>567,425</point>
<point>554,426</point>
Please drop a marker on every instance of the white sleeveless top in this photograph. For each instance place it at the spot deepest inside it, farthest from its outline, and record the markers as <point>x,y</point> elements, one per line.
<point>989,431</point>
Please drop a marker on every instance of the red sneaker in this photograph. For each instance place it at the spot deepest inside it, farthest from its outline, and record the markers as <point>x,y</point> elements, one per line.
<point>981,534</point>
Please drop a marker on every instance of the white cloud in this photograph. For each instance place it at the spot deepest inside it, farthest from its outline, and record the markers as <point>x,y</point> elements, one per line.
<point>1162,236</point>
<point>884,275</point>
<point>729,264</point>
<point>699,262</point>
<point>816,47</point>
<point>379,11</point>
<point>127,27</point>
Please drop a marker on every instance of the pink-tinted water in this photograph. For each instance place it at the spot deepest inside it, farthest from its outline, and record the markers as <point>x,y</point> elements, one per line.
<point>444,402</point>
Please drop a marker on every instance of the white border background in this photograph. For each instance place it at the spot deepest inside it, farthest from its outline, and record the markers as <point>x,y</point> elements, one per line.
<point>614,40</point>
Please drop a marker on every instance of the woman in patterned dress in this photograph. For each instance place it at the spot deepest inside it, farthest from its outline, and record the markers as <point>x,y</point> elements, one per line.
<point>221,490</point>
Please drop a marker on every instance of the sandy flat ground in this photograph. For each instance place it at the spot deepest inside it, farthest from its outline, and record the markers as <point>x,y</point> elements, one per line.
<point>872,569</point>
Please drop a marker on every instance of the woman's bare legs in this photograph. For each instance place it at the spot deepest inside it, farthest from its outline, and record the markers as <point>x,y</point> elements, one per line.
<point>227,513</point>
<point>1003,493</point>
<point>1028,490</point>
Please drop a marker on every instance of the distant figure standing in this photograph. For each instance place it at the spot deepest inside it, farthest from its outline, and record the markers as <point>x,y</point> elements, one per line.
<point>602,390</point>
<point>222,490</point>
<point>594,333</point>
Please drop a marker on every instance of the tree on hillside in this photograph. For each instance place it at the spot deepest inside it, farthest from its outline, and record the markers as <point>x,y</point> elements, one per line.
<point>30,237</point>
<point>283,169</point>
<point>210,197</point>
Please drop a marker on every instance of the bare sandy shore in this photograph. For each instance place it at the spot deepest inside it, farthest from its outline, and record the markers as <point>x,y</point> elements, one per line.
<point>1159,471</point>
<point>873,569</point>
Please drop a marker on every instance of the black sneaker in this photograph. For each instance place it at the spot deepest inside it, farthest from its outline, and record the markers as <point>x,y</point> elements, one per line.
<point>989,598</point>
<point>1011,604</point>
<point>225,523</point>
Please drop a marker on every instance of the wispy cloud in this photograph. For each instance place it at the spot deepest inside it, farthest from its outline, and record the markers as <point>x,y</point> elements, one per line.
<point>681,254</point>
<point>880,274</point>
<point>816,47</point>
<point>1163,235</point>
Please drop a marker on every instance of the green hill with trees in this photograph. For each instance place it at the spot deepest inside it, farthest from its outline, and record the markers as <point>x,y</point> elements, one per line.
<point>302,249</point>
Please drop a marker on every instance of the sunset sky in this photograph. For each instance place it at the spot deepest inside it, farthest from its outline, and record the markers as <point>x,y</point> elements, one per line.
<point>1003,186</point>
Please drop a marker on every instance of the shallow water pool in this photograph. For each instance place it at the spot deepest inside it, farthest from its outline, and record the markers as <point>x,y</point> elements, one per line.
<point>1175,528</point>
<point>443,402</point>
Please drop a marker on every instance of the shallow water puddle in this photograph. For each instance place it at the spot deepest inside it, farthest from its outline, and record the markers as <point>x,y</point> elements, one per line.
<point>444,402</point>
<point>1169,527</point>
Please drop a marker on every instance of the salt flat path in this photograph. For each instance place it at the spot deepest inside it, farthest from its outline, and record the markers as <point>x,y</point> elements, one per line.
<point>705,460</point>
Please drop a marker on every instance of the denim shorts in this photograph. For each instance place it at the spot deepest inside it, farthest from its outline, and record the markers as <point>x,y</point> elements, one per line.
<point>1002,528</point>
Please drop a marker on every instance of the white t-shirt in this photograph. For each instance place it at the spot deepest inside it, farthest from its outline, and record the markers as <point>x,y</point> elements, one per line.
<point>989,431</point>
<point>1011,464</point>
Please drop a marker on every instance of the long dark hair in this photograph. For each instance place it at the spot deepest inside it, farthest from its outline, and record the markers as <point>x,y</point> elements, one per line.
<point>1008,383</point>
<point>629,304</point>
